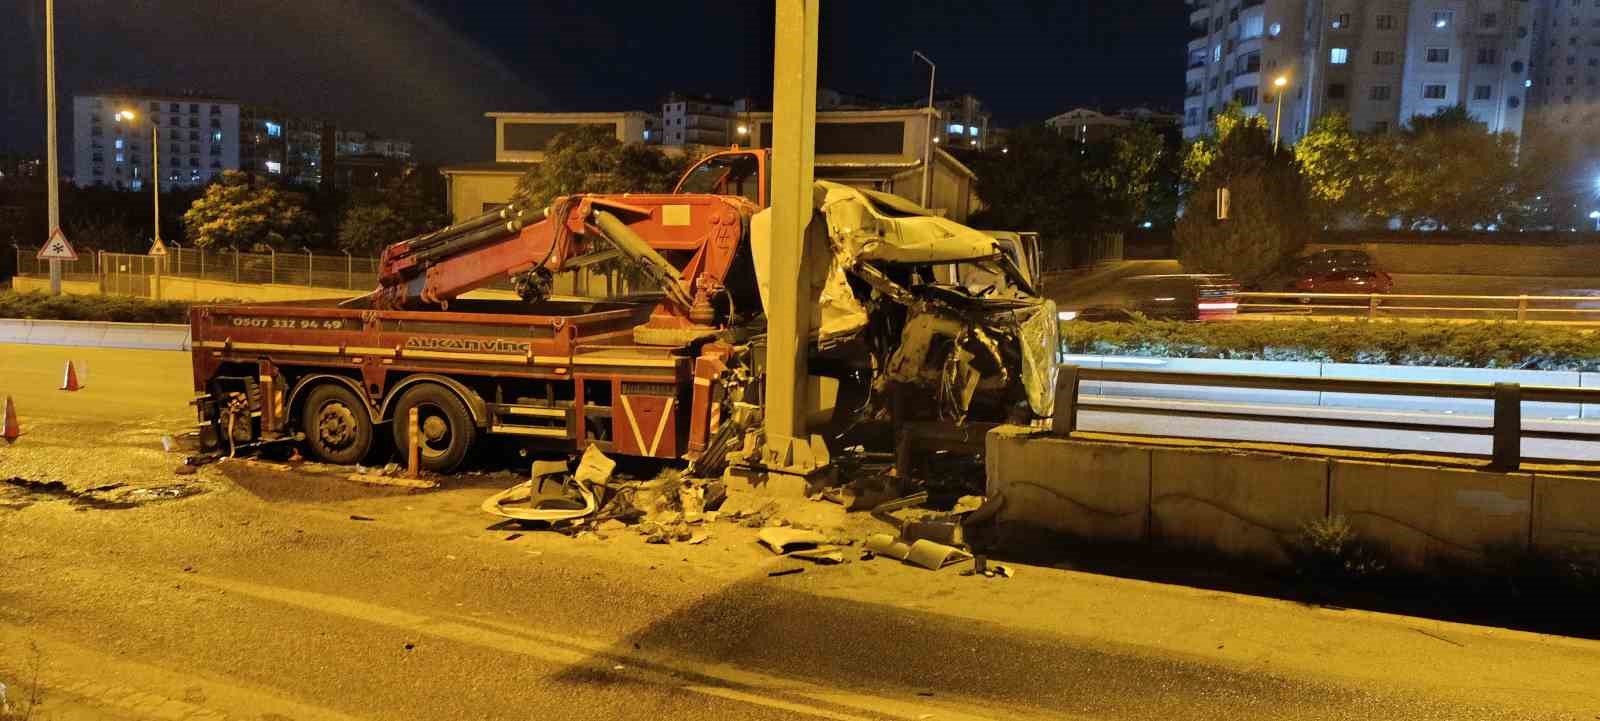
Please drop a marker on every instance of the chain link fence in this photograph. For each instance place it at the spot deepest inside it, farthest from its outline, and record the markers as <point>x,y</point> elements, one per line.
<point>130,274</point>
<point>133,274</point>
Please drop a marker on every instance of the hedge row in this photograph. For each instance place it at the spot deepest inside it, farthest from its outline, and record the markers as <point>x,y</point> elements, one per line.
<point>124,309</point>
<point>1459,345</point>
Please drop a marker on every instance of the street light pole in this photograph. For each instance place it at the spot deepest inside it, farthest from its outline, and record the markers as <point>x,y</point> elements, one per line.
<point>155,175</point>
<point>927,145</point>
<point>1280,83</point>
<point>52,174</point>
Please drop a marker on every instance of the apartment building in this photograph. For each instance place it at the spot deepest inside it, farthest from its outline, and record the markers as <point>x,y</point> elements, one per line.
<point>112,143</point>
<point>1378,61</point>
<point>1565,88</point>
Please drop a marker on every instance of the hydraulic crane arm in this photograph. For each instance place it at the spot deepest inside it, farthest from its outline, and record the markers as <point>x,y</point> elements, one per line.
<point>685,243</point>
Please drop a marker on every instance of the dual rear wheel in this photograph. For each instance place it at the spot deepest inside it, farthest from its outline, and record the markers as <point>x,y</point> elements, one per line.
<point>339,430</point>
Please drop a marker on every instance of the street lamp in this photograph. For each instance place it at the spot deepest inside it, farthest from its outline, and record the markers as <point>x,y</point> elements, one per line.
<point>1280,83</point>
<point>155,171</point>
<point>927,148</point>
<point>743,130</point>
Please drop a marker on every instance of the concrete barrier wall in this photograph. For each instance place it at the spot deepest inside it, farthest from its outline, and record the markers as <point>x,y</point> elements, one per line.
<point>1253,503</point>
<point>1566,513</point>
<point>95,334</point>
<point>1424,514</point>
<point>1091,490</point>
<point>1247,504</point>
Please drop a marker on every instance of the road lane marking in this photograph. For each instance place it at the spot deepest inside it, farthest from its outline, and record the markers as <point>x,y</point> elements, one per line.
<point>573,651</point>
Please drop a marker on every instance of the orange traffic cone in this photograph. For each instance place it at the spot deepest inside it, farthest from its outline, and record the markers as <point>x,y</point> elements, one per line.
<point>69,381</point>
<point>10,430</point>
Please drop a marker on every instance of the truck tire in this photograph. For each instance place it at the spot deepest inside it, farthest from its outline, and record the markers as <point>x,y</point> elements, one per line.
<point>447,428</point>
<point>337,426</point>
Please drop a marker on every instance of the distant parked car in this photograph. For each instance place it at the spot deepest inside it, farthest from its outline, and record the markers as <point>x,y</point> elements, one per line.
<point>1169,297</point>
<point>1345,281</point>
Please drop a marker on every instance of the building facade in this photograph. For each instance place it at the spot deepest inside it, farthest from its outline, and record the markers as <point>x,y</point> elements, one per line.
<point>1566,64</point>
<point>1092,126</point>
<point>1378,61</point>
<point>291,147</point>
<point>112,143</point>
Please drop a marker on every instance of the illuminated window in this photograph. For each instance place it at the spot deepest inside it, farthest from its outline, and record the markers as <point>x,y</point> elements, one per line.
<point>1339,56</point>
<point>1443,18</point>
<point>973,131</point>
<point>119,143</point>
<point>216,136</point>
<point>274,130</point>
<point>957,128</point>
<point>1275,29</point>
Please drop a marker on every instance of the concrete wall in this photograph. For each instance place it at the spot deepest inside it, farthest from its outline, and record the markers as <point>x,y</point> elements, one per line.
<point>25,284</point>
<point>95,334</point>
<point>1248,504</point>
<point>1422,514</point>
<point>1566,512</point>
<point>470,191</point>
<point>1253,503</point>
<point>1092,490</point>
<point>1477,258</point>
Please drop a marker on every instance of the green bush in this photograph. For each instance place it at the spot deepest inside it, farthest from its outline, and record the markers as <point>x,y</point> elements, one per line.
<point>1522,346</point>
<point>123,309</point>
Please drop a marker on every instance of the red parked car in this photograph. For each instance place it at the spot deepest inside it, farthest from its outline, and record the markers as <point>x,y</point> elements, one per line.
<point>1358,280</point>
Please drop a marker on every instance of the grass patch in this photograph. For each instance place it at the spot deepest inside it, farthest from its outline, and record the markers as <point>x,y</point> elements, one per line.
<point>1522,346</point>
<point>123,309</point>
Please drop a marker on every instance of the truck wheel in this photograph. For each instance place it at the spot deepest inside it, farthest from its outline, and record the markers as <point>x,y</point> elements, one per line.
<point>336,424</point>
<point>447,431</point>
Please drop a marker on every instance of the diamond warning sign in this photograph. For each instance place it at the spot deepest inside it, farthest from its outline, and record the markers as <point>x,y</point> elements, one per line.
<point>57,247</point>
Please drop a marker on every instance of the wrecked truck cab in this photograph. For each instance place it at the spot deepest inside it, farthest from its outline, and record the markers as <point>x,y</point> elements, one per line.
<point>875,286</point>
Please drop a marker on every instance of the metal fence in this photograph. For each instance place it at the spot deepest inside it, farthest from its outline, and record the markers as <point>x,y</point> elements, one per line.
<point>1081,251</point>
<point>130,274</point>
<point>1504,426</point>
<point>134,274</point>
<point>1559,308</point>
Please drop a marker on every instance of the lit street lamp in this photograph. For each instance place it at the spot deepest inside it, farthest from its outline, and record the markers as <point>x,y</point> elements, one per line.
<point>155,170</point>
<point>1280,83</point>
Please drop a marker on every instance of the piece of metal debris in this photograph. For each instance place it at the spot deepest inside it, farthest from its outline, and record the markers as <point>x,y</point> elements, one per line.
<point>790,570</point>
<point>883,544</point>
<point>934,556</point>
<point>786,540</point>
<point>822,555</point>
<point>355,517</point>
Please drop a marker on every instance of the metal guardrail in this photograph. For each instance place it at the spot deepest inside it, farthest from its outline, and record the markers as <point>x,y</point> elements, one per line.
<point>1506,425</point>
<point>1534,308</point>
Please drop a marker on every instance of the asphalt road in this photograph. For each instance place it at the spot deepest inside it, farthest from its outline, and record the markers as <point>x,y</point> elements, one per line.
<point>267,596</point>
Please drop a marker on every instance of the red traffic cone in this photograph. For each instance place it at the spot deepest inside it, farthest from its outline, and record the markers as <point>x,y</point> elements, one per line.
<point>10,430</point>
<point>69,381</point>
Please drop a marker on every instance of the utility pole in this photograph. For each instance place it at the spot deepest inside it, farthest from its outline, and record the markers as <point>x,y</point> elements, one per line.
<point>927,143</point>
<point>794,113</point>
<point>52,174</point>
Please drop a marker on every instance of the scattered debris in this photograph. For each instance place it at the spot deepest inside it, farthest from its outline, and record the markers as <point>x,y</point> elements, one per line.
<point>883,544</point>
<point>374,479</point>
<point>785,571</point>
<point>785,540</point>
<point>613,525</point>
<point>934,556</point>
<point>821,555</point>
<point>945,532</point>
<point>698,539</point>
<point>185,470</point>
<point>967,504</point>
<point>513,537</point>
<point>355,517</point>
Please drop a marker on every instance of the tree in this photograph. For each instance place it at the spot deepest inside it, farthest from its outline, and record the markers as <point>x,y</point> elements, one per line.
<point>1448,170</point>
<point>406,207</point>
<point>1267,218</point>
<point>241,214</point>
<point>1344,172</point>
<point>590,159</point>
<point>1066,190</point>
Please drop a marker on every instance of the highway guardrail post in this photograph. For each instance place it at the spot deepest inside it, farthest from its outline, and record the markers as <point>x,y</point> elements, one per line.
<point>1522,307</point>
<point>1065,418</point>
<point>1507,426</point>
<point>1372,306</point>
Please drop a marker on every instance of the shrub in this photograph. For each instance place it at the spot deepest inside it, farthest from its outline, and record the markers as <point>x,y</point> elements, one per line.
<point>1523,346</point>
<point>1327,549</point>
<point>124,309</point>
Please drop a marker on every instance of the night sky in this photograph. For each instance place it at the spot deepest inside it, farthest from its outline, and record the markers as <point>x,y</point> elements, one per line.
<point>427,70</point>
